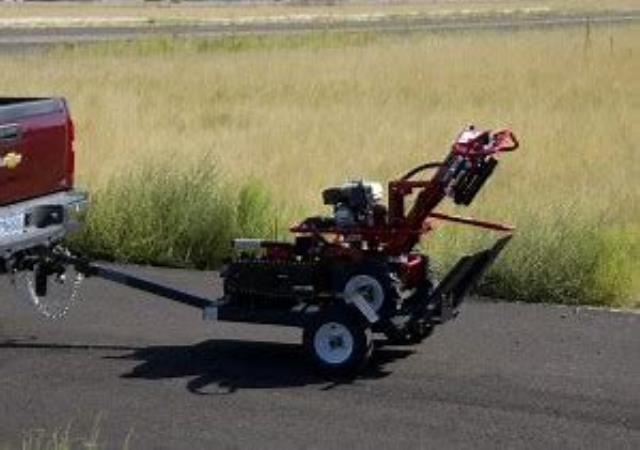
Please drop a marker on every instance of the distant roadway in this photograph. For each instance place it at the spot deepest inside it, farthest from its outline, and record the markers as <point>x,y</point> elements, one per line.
<point>502,375</point>
<point>16,38</point>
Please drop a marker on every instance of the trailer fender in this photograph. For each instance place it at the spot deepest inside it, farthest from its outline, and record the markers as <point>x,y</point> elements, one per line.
<point>363,306</point>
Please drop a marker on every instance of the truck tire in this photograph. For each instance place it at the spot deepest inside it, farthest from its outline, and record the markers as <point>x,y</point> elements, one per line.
<point>337,342</point>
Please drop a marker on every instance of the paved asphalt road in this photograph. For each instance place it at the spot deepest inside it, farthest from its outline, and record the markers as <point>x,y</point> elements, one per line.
<point>500,376</point>
<point>20,38</point>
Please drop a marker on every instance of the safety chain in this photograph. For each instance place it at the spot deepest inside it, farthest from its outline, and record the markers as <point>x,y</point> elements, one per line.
<point>63,291</point>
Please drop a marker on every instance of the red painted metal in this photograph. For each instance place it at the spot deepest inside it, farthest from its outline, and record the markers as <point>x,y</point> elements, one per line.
<point>402,230</point>
<point>45,144</point>
<point>473,222</point>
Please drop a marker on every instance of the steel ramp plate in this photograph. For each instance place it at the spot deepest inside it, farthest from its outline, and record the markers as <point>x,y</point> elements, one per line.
<point>456,285</point>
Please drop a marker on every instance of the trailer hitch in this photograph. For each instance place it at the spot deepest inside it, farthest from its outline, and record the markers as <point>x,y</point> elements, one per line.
<point>49,278</point>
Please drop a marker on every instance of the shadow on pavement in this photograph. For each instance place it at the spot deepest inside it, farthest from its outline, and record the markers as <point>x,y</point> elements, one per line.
<point>30,343</point>
<point>225,366</point>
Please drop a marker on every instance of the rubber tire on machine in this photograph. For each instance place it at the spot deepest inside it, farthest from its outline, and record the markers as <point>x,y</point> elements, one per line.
<point>416,331</point>
<point>351,335</point>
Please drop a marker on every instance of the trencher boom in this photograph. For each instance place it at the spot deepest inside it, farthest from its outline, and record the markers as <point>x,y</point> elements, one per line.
<point>343,277</point>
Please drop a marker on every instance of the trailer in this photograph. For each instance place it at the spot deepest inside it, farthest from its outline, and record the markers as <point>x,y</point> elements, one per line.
<point>343,277</point>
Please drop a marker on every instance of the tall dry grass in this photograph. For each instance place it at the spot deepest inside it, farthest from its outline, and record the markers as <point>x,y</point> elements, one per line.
<point>302,112</point>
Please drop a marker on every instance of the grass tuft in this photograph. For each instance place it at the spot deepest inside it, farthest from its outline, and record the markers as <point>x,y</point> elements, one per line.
<point>172,216</point>
<point>254,213</point>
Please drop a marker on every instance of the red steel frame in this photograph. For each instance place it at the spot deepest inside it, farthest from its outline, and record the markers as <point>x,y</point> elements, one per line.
<point>432,192</point>
<point>403,230</point>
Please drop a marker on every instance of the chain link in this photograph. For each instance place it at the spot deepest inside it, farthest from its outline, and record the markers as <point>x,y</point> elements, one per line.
<point>63,292</point>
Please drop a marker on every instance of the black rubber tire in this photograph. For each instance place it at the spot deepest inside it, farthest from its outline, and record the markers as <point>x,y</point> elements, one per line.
<point>417,329</point>
<point>359,331</point>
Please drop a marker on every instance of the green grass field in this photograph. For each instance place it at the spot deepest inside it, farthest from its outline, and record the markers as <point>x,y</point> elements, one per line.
<point>186,143</point>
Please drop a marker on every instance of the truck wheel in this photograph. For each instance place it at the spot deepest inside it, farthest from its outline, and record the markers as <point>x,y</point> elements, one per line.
<point>337,343</point>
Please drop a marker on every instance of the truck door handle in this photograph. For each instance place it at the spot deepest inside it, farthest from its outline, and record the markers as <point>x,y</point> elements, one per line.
<point>10,133</point>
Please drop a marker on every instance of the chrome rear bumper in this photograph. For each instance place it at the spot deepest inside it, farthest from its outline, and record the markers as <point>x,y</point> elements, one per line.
<point>30,235</point>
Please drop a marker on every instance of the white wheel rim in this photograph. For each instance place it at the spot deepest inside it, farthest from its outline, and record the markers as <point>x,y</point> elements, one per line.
<point>368,287</point>
<point>333,343</point>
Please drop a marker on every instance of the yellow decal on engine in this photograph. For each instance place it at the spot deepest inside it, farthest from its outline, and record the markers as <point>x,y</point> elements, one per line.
<point>11,160</point>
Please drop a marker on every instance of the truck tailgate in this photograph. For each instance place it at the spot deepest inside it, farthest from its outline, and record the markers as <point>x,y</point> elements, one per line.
<point>36,135</point>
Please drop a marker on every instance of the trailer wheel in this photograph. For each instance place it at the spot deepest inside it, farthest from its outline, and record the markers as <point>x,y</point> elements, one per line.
<point>337,343</point>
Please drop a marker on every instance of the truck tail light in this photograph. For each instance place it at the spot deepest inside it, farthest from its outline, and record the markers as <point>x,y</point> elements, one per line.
<point>71,159</point>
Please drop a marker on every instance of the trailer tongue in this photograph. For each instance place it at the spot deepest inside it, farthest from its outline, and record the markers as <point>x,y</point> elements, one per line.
<point>344,276</point>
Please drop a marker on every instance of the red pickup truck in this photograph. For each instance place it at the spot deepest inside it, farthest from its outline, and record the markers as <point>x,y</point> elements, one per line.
<point>38,201</point>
